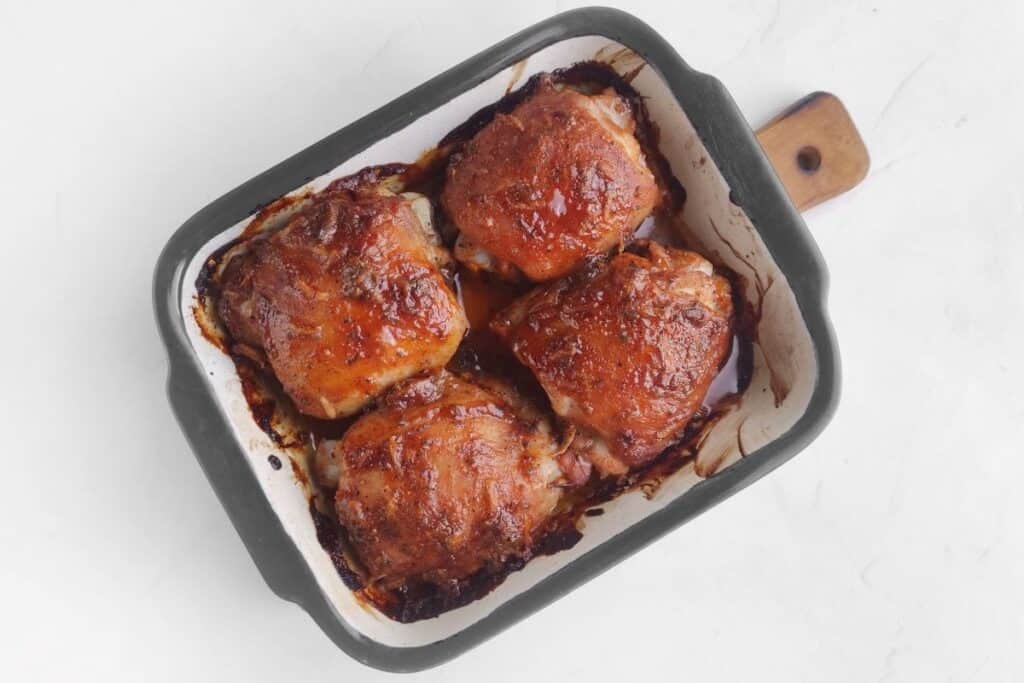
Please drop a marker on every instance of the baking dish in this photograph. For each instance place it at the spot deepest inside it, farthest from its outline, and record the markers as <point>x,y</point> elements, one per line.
<point>737,212</point>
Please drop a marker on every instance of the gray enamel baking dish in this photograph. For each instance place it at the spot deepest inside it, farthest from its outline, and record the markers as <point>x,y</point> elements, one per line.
<point>736,211</point>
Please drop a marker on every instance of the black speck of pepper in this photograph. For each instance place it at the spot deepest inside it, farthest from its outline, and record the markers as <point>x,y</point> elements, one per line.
<point>733,198</point>
<point>274,461</point>
<point>594,512</point>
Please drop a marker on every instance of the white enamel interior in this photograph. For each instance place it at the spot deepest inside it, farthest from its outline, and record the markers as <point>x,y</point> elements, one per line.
<point>724,234</point>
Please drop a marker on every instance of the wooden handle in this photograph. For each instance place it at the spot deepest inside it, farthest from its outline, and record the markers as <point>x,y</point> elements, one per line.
<point>816,149</point>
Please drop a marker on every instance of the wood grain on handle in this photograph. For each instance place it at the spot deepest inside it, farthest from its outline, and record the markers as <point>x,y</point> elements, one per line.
<point>816,149</point>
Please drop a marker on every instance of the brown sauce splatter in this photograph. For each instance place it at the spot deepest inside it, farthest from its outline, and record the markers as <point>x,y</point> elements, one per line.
<point>299,473</point>
<point>480,352</point>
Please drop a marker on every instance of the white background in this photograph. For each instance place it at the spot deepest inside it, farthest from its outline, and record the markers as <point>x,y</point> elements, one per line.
<point>892,549</point>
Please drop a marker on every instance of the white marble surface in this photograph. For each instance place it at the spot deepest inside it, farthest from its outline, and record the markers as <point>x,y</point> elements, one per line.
<point>890,550</point>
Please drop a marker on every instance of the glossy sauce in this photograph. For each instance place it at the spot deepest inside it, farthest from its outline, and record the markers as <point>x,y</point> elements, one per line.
<point>482,296</point>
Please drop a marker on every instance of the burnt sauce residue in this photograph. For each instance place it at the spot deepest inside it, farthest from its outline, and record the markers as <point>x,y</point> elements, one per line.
<point>482,296</point>
<point>413,602</point>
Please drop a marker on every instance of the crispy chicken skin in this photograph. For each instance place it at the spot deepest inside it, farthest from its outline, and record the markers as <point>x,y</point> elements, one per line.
<point>558,179</point>
<point>446,476</point>
<point>345,300</point>
<point>625,350</point>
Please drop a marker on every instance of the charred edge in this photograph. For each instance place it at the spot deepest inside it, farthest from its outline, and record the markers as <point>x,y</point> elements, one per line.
<point>202,317</point>
<point>461,134</point>
<point>262,404</point>
<point>418,601</point>
<point>649,135</point>
<point>564,536</point>
<point>334,539</point>
<point>269,211</point>
<point>207,286</point>
<point>371,175</point>
<point>207,292</point>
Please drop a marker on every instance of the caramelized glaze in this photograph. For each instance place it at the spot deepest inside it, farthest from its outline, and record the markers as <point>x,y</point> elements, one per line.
<point>343,301</point>
<point>480,354</point>
<point>558,179</point>
<point>627,348</point>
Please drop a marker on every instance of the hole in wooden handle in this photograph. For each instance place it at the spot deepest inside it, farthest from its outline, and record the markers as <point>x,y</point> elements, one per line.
<point>816,128</point>
<point>808,159</point>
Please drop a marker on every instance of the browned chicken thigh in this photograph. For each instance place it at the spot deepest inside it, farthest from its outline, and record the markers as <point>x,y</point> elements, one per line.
<point>558,179</point>
<point>448,475</point>
<point>345,300</point>
<point>626,350</point>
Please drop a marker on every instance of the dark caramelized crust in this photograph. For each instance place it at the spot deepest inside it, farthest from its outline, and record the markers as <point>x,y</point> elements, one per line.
<point>558,179</point>
<point>627,350</point>
<point>345,300</point>
<point>447,476</point>
<point>236,304</point>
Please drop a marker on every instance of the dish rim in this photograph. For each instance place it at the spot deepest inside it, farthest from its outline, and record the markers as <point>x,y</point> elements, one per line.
<point>731,145</point>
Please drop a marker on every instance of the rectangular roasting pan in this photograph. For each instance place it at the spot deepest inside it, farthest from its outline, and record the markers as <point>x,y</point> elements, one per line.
<point>738,213</point>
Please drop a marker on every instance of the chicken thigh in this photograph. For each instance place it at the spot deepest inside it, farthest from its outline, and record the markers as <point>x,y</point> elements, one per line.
<point>447,476</point>
<point>625,350</point>
<point>558,179</point>
<point>345,300</point>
